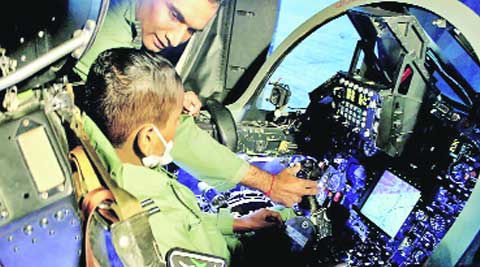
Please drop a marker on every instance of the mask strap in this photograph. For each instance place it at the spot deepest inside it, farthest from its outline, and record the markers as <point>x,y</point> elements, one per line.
<point>160,136</point>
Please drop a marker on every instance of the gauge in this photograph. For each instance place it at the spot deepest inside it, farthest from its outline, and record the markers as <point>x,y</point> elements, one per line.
<point>357,177</point>
<point>460,172</point>
<point>421,216</point>
<point>438,224</point>
<point>418,256</point>
<point>336,181</point>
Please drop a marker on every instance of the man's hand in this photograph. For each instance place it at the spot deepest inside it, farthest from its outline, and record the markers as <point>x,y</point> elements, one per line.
<point>260,219</point>
<point>191,103</point>
<point>288,189</point>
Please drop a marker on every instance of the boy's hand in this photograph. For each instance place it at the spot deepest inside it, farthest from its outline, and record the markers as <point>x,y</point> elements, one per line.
<point>260,219</point>
<point>191,103</point>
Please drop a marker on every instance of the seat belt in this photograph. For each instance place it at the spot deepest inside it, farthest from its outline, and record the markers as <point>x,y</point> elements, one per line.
<point>91,195</point>
<point>86,180</point>
<point>91,202</point>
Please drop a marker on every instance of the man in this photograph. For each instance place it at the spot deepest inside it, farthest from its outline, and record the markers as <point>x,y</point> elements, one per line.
<point>157,24</point>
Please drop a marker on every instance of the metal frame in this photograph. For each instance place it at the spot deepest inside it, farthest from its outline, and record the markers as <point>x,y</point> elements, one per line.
<point>455,12</point>
<point>77,45</point>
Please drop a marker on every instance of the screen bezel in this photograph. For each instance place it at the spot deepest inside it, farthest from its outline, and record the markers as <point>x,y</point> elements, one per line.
<point>371,223</point>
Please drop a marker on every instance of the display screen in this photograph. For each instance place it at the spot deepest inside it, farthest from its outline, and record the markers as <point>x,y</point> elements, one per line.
<point>390,203</point>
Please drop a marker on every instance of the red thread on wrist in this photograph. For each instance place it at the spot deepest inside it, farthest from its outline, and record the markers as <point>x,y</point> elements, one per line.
<point>269,192</point>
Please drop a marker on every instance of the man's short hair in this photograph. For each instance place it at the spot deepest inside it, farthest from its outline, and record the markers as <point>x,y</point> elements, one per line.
<point>126,88</point>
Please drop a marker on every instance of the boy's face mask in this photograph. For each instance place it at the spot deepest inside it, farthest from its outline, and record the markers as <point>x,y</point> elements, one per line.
<point>153,160</point>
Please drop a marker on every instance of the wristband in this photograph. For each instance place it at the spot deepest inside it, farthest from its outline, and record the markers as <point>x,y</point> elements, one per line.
<point>269,192</point>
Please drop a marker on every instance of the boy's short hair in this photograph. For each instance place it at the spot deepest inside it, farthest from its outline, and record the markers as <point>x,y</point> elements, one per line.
<point>126,88</point>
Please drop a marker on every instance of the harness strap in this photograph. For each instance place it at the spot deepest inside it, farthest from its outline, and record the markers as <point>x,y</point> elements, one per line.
<point>93,201</point>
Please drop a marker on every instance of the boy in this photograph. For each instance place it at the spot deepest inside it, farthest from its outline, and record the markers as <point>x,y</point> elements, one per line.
<point>136,100</point>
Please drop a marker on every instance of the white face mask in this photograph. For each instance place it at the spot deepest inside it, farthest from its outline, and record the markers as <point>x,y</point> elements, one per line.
<point>153,161</point>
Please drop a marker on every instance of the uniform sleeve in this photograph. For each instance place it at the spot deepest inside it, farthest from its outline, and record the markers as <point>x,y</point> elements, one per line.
<point>115,32</point>
<point>223,220</point>
<point>196,152</point>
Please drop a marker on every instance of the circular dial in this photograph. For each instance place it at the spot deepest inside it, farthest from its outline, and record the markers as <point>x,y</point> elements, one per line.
<point>418,256</point>
<point>336,181</point>
<point>421,216</point>
<point>438,223</point>
<point>461,172</point>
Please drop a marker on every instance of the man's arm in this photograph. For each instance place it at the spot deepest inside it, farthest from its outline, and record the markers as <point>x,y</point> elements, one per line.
<point>284,187</point>
<point>203,157</point>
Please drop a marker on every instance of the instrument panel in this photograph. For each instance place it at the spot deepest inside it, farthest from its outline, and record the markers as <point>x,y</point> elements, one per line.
<point>400,207</point>
<point>357,106</point>
<point>395,159</point>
